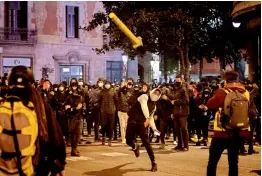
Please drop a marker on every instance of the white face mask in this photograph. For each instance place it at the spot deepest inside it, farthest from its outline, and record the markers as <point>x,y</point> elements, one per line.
<point>206,95</point>
<point>61,89</point>
<point>100,84</point>
<point>107,86</point>
<point>80,83</point>
<point>154,97</point>
<point>55,89</point>
<point>74,88</point>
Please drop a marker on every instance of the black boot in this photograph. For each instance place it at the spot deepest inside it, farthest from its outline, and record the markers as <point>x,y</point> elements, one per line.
<point>154,167</point>
<point>75,152</point>
<point>198,143</point>
<point>103,141</point>
<point>137,151</point>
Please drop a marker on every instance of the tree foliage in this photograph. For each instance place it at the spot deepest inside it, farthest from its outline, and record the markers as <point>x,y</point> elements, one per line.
<point>188,29</point>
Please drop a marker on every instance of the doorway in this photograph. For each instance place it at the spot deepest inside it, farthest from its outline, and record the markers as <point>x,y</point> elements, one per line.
<point>67,72</point>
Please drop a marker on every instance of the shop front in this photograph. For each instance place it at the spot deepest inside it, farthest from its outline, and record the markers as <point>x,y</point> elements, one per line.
<point>10,62</point>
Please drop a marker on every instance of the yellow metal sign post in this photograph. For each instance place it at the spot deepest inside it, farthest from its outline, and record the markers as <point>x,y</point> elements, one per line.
<point>137,41</point>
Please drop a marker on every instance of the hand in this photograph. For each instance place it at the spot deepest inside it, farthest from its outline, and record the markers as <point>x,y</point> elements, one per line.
<point>79,106</point>
<point>173,102</point>
<point>155,117</point>
<point>172,116</point>
<point>164,97</point>
<point>67,107</point>
<point>205,108</point>
<point>146,124</point>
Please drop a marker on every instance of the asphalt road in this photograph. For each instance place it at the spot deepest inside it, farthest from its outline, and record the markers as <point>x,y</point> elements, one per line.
<point>119,160</point>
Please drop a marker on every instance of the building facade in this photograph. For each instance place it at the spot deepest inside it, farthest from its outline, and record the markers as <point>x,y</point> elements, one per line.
<point>46,37</point>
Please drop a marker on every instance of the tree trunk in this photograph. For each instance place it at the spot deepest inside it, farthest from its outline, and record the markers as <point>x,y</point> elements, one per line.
<point>182,63</point>
<point>186,58</point>
<point>222,67</point>
<point>200,68</point>
<point>165,69</point>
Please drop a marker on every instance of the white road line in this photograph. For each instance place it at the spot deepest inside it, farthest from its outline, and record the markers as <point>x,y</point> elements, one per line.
<point>114,154</point>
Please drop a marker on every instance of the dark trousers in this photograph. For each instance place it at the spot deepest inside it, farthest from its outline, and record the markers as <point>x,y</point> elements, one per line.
<point>180,125</point>
<point>63,122</point>
<point>95,115</point>
<point>258,130</point>
<point>250,140</point>
<point>134,129</point>
<point>74,130</point>
<point>107,124</point>
<point>191,125</point>
<point>89,123</point>
<point>218,145</point>
<point>202,124</point>
<point>116,127</point>
<point>163,128</point>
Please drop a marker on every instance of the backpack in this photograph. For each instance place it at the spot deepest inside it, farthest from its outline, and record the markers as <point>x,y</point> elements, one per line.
<point>18,134</point>
<point>235,111</point>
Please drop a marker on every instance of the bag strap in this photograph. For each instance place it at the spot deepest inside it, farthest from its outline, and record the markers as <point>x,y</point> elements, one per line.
<point>227,90</point>
<point>18,153</point>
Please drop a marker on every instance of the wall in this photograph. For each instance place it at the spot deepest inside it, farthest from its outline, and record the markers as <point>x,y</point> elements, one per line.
<point>49,20</point>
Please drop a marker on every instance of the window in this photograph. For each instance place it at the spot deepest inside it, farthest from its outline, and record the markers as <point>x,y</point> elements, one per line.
<point>67,72</point>
<point>16,14</point>
<point>114,71</point>
<point>72,18</point>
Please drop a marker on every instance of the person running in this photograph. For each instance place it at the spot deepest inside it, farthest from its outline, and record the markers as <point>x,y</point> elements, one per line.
<point>140,117</point>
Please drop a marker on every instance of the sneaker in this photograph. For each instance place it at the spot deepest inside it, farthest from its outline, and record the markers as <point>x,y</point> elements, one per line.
<point>198,144</point>
<point>185,149</point>
<point>250,152</point>
<point>205,142</point>
<point>137,151</point>
<point>109,143</point>
<point>178,148</point>
<point>154,167</point>
<point>195,136</point>
<point>124,141</point>
<point>175,143</point>
<point>103,141</point>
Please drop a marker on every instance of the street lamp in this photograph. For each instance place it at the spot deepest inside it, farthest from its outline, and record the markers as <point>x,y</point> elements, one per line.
<point>236,24</point>
<point>124,58</point>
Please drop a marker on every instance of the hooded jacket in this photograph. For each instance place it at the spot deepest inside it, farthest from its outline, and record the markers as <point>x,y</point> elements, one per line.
<point>217,103</point>
<point>142,109</point>
<point>108,101</point>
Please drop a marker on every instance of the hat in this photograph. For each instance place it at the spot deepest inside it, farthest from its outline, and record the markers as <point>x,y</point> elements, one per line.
<point>20,75</point>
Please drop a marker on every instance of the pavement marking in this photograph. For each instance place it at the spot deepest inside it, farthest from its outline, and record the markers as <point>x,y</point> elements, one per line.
<point>114,154</point>
<point>81,158</point>
<point>142,151</point>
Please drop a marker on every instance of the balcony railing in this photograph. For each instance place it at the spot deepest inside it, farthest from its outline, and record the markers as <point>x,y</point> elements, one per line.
<point>18,36</point>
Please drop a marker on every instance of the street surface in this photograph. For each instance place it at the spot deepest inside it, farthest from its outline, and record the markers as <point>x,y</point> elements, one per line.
<point>119,160</point>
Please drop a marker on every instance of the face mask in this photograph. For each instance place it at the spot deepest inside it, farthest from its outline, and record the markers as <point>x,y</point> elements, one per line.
<point>100,84</point>
<point>74,88</point>
<point>80,83</point>
<point>61,89</point>
<point>154,97</point>
<point>55,89</point>
<point>107,86</point>
<point>206,95</point>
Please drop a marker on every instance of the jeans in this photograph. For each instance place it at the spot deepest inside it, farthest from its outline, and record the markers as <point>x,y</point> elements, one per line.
<point>123,117</point>
<point>132,130</point>
<point>180,124</point>
<point>218,145</point>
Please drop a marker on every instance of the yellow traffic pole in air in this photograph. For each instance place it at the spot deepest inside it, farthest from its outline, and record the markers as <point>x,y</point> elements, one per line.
<point>137,41</point>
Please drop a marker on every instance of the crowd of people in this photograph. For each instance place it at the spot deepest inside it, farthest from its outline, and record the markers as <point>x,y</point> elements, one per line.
<point>128,110</point>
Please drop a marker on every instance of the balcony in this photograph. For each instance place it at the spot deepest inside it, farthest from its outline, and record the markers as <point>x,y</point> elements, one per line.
<point>17,36</point>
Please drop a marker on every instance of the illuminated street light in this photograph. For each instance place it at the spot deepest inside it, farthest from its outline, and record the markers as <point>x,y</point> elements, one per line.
<point>236,24</point>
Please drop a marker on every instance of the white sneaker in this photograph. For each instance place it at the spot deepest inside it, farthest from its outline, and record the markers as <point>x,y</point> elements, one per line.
<point>123,141</point>
<point>175,143</point>
<point>195,136</point>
